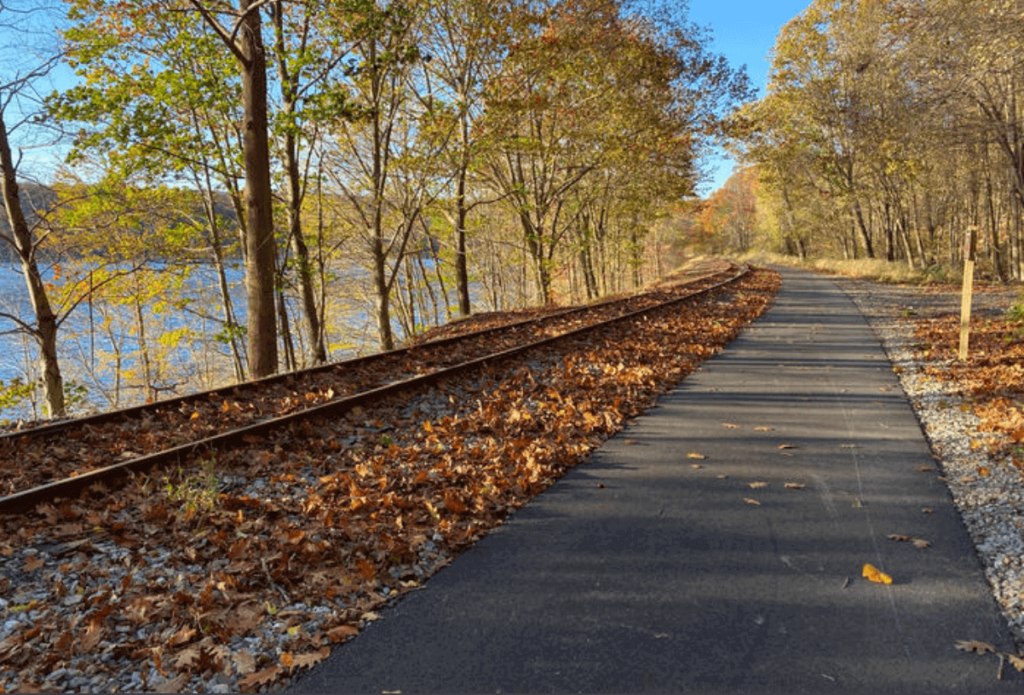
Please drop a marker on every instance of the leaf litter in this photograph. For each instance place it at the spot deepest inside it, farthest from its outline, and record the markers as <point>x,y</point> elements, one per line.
<point>241,570</point>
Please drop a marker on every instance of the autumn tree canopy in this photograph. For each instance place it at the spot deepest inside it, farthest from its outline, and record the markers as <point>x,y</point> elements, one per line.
<point>889,129</point>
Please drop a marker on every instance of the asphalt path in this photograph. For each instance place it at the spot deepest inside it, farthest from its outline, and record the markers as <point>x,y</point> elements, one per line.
<point>639,571</point>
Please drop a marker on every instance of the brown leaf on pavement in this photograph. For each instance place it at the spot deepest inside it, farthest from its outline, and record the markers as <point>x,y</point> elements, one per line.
<point>975,646</point>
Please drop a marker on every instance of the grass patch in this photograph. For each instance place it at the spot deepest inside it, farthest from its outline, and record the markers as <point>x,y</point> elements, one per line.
<point>865,268</point>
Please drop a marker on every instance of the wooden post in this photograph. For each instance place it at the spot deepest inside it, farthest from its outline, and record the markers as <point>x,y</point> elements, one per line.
<point>965,299</point>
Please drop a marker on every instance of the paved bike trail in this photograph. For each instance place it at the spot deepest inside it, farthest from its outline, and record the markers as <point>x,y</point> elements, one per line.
<point>639,572</point>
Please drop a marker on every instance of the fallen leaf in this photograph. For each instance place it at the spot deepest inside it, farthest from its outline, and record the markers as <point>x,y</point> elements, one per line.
<point>926,510</point>
<point>753,502</point>
<point>366,569</point>
<point>787,446</point>
<point>757,485</point>
<point>370,616</point>
<point>186,658</point>
<point>975,646</point>
<point>730,426</point>
<point>453,503</point>
<point>91,637</point>
<point>926,469</point>
<point>696,466</point>
<point>174,685</point>
<point>762,428</point>
<point>983,471</point>
<point>696,455</point>
<point>794,486</point>
<point>1016,661</point>
<point>630,442</point>
<point>244,662</point>
<point>873,574</point>
<point>342,633</point>
<point>251,683</point>
<point>722,476</point>
<point>921,543</point>
<point>64,642</point>
<point>182,636</point>
<point>32,564</point>
<point>309,659</point>
<point>899,537</point>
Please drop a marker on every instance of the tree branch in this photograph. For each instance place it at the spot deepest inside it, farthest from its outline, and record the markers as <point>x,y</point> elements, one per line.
<point>225,35</point>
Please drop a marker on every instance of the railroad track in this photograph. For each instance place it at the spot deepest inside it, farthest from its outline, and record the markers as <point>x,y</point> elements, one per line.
<point>62,459</point>
<point>238,568</point>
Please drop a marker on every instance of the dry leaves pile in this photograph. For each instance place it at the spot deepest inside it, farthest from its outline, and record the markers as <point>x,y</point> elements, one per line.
<point>992,378</point>
<point>238,572</point>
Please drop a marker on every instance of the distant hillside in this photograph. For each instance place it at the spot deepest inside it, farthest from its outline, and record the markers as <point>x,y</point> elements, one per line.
<point>36,199</point>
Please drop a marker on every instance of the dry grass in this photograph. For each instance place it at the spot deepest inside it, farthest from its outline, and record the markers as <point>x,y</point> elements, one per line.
<point>864,268</point>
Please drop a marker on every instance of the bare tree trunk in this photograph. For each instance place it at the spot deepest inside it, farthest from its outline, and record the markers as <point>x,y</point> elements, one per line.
<point>461,213</point>
<point>259,275</point>
<point>289,88</point>
<point>865,234</point>
<point>227,311</point>
<point>382,296</point>
<point>45,330</point>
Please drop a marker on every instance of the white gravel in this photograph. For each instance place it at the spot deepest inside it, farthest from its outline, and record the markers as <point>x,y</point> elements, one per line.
<point>991,507</point>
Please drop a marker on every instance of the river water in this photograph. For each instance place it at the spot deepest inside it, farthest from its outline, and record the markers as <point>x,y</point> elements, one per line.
<point>84,344</point>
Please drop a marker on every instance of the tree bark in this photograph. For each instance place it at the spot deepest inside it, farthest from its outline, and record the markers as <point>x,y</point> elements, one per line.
<point>461,269</point>
<point>260,257</point>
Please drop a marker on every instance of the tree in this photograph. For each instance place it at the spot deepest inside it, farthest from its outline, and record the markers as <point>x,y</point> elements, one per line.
<point>164,56</point>
<point>466,41</point>
<point>19,106</point>
<point>376,151</point>
<point>243,37</point>
<point>598,91</point>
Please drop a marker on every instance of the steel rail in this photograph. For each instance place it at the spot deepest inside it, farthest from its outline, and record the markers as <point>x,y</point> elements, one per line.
<point>70,487</point>
<point>135,411</point>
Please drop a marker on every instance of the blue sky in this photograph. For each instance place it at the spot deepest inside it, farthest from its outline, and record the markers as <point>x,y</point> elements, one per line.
<point>744,31</point>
